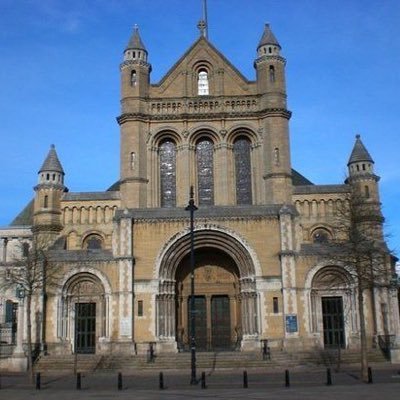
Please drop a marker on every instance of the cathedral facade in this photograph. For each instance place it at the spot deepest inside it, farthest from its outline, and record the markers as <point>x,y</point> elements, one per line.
<point>124,254</point>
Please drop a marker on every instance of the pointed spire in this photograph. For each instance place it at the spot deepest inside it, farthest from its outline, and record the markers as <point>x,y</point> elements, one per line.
<point>359,153</point>
<point>268,38</point>
<point>52,163</point>
<point>135,42</point>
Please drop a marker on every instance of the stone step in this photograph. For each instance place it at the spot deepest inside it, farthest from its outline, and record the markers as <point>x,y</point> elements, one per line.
<point>206,360</point>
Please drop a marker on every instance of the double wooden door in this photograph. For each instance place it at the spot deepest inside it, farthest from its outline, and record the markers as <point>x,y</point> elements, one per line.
<point>211,332</point>
<point>85,328</point>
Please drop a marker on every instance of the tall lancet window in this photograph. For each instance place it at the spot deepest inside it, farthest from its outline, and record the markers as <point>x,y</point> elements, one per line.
<point>167,158</point>
<point>241,151</point>
<point>205,171</point>
<point>202,83</point>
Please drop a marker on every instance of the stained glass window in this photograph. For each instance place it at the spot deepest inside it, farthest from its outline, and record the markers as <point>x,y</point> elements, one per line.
<point>205,171</point>
<point>241,151</point>
<point>167,154</point>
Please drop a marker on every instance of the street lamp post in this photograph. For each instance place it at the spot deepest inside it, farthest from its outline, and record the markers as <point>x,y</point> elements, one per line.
<point>192,208</point>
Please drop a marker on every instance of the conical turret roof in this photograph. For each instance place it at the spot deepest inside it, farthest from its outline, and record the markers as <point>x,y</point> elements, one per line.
<point>268,38</point>
<point>135,42</point>
<point>52,163</point>
<point>359,153</point>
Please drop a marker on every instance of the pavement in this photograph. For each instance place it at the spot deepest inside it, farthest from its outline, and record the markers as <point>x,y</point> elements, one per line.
<point>305,383</point>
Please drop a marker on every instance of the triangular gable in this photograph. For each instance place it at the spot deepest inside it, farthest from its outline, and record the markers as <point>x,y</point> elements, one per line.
<point>202,51</point>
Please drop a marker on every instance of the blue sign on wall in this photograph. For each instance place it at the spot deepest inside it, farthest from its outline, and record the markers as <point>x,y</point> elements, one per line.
<point>291,323</point>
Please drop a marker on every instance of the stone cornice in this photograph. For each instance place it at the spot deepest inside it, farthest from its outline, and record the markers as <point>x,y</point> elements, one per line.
<point>134,179</point>
<point>362,177</point>
<point>220,213</point>
<point>269,58</point>
<point>129,63</point>
<point>144,117</point>
<point>277,175</point>
<point>49,185</point>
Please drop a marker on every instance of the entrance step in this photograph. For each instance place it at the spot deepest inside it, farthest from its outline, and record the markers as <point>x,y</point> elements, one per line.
<point>68,363</point>
<point>204,360</point>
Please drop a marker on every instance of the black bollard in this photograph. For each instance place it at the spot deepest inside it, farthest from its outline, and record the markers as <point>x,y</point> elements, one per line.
<point>245,381</point>
<point>328,377</point>
<point>287,378</point>
<point>369,375</point>
<point>78,381</point>
<point>38,381</point>
<point>203,380</point>
<point>161,381</point>
<point>119,381</point>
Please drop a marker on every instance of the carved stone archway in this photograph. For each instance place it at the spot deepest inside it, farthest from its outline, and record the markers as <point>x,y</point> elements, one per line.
<point>81,289</point>
<point>217,254</point>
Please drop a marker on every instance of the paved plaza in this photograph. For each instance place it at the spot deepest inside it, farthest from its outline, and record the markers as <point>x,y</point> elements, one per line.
<point>305,383</point>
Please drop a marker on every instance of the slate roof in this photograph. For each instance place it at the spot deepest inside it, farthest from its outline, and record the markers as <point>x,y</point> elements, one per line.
<point>82,196</point>
<point>52,163</point>
<point>25,217</point>
<point>268,38</point>
<point>299,180</point>
<point>135,42</point>
<point>359,153</point>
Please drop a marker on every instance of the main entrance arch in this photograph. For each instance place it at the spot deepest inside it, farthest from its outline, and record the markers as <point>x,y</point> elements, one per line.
<point>225,292</point>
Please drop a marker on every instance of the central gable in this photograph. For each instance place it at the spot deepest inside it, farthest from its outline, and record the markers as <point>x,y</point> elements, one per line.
<point>222,78</point>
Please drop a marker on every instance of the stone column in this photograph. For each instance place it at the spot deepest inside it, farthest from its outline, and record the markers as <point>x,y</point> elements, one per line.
<point>222,176</point>
<point>125,266</point>
<point>165,305</point>
<point>288,268</point>
<point>183,171</point>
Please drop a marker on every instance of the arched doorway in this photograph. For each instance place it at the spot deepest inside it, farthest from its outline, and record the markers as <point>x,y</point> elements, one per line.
<point>84,310</point>
<point>217,301</point>
<point>333,304</point>
<point>225,292</point>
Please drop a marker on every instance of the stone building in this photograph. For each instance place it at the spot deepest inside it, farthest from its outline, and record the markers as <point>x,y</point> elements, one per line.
<point>259,227</point>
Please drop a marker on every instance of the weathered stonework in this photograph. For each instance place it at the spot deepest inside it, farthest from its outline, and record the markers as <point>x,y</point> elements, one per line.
<point>259,271</point>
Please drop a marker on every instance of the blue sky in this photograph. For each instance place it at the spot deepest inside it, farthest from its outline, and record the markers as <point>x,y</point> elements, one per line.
<point>59,82</point>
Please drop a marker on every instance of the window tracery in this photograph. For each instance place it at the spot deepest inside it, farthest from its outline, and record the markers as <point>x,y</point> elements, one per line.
<point>205,171</point>
<point>241,151</point>
<point>167,159</point>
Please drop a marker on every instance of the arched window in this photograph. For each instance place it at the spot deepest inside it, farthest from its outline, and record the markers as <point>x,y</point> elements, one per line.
<point>202,83</point>
<point>241,151</point>
<point>25,249</point>
<point>167,159</point>
<point>93,242</point>
<point>46,201</point>
<point>271,73</point>
<point>321,235</point>
<point>366,190</point>
<point>205,171</point>
<point>133,78</point>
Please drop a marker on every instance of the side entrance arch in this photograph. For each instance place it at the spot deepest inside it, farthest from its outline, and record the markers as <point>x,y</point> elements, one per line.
<point>225,293</point>
<point>84,312</point>
<point>333,304</point>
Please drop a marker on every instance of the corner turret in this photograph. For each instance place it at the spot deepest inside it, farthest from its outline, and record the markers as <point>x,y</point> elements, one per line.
<point>270,67</point>
<point>50,187</point>
<point>365,188</point>
<point>135,72</point>
<point>135,84</point>
<point>271,87</point>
